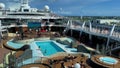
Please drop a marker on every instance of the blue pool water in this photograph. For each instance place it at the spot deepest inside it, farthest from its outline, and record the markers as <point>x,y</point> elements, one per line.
<point>15,45</point>
<point>49,48</point>
<point>108,60</point>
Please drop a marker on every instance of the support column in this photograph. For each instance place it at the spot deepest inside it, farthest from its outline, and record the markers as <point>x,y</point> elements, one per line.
<point>47,24</point>
<point>90,36</point>
<point>103,50</point>
<point>67,27</point>
<point>83,25</point>
<point>97,48</point>
<point>90,27</point>
<point>20,29</point>
<point>107,45</point>
<point>111,32</point>
<point>70,27</point>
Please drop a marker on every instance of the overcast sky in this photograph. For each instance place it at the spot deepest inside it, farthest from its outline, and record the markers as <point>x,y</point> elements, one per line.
<point>74,7</point>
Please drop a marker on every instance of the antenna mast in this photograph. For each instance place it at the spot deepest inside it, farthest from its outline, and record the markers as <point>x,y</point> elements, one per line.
<point>25,3</point>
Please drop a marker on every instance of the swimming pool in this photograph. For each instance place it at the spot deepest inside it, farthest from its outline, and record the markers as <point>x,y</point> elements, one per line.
<point>108,60</point>
<point>40,47</point>
<point>49,48</point>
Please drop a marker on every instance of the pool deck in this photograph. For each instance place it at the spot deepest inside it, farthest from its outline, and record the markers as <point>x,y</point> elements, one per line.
<point>3,51</point>
<point>37,54</point>
<point>37,51</point>
<point>56,57</point>
<point>60,57</point>
<point>38,65</point>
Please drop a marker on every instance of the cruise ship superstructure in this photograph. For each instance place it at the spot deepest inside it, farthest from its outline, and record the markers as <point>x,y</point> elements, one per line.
<point>15,19</point>
<point>26,13</point>
<point>26,26</point>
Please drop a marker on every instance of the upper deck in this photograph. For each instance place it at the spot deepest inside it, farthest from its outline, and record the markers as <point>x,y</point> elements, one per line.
<point>96,29</point>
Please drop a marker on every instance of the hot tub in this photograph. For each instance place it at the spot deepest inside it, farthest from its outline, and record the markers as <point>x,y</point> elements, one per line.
<point>108,60</point>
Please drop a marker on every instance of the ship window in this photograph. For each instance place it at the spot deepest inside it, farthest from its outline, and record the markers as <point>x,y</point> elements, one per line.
<point>26,10</point>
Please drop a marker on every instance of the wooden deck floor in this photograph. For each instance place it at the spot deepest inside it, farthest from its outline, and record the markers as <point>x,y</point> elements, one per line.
<point>60,59</point>
<point>3,51</point>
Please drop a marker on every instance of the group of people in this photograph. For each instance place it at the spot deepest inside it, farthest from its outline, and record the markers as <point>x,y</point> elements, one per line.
<point>69,58</point>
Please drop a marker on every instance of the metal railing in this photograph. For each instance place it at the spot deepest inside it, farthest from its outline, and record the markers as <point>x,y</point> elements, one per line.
<point>96,30</point>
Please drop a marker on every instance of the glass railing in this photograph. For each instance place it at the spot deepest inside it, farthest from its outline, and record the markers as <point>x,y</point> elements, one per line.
<point>33,60</point>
